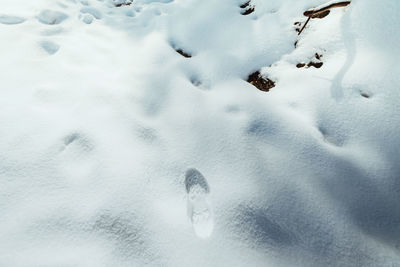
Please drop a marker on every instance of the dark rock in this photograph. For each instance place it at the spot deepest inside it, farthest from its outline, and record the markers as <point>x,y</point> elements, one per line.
<point>259,82</point>
<point>315,64</point>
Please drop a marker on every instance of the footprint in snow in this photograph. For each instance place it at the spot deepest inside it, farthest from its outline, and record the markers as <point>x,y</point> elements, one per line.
<point>78,142</point>
<point>10,20</point>
<point>199,208</point>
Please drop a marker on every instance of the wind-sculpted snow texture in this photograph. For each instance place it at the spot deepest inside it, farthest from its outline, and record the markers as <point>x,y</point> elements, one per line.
<point>101,120</point>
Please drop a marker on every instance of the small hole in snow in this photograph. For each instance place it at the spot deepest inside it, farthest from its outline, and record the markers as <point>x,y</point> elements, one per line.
<point>245,4</point>
<point>123,3</point>
<point>248,8</point>
<point>248,11</point>
<point>196,82</point>
<point>183,53</point>
<point>364,94</point>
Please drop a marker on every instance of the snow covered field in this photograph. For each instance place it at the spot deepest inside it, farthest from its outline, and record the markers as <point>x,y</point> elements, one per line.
<point>115,150</point>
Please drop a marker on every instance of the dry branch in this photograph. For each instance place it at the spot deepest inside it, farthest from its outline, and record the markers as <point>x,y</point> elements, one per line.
<point>320,9</point>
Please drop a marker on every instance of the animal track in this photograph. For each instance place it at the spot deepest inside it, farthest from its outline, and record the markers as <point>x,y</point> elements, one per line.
<point>50,47</point>
<point>195,81</point>
<point>92,11</point>
<point>87,18</point>
<point>51,17</point>
<point>10,20</point>
<point>332,137</point>
<point>199,210</point>
<point>77,142</point>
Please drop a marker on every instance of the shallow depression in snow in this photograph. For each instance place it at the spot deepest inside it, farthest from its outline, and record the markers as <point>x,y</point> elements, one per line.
<point>131,137</point>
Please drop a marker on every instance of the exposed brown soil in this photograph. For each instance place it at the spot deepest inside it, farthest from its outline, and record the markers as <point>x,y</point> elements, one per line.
<point>261,83</point>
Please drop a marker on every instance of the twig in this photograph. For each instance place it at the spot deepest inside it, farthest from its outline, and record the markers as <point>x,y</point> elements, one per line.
<point>304,26</point>
<point>321,12</point>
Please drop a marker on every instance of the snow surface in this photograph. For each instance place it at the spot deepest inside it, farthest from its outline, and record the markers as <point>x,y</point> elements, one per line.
<point>100,119</point>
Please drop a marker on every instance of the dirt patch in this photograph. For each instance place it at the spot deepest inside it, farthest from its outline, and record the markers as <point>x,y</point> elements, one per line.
<point>261,83</point>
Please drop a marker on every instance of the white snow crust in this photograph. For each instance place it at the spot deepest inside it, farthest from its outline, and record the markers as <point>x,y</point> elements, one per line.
<point>100,118</point>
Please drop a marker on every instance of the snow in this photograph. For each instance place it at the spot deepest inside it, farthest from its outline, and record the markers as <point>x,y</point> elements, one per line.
<point>100,120</point>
